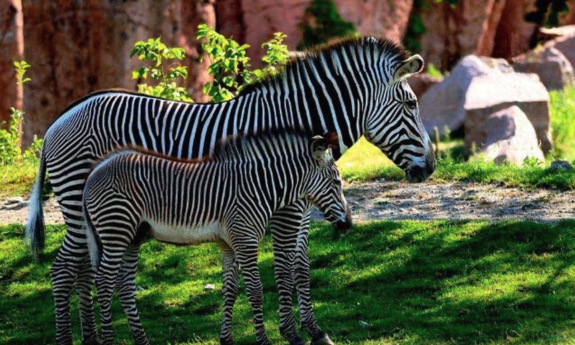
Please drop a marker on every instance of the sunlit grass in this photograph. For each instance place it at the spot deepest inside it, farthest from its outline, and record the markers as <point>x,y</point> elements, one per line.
<point>406,282</point>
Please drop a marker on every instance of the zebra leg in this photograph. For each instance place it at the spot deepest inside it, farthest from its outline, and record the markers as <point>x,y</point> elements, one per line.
<point>84,285</point>
<point>302,281</point>
<point>230,289</point>
<point>106,284</point>
<point>72,259</point>
<point>285,225</point>
<point>247,256</point>
<point>126,289</point>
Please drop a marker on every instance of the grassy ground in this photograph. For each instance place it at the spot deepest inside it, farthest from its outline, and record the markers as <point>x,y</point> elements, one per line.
<point>385,283</point>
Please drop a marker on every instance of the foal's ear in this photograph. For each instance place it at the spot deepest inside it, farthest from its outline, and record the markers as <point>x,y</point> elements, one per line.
<point>408,67</point>
<point>320,146</point>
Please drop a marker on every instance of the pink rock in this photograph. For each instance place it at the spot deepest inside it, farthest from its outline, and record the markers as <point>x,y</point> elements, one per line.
<point>442,105</point>
<point>490,93</point>
<point>505,135</point>
<point>552,67</point>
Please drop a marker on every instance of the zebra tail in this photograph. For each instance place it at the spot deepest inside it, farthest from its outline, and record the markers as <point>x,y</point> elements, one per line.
<point>94,243</point>
<point>35,227</point>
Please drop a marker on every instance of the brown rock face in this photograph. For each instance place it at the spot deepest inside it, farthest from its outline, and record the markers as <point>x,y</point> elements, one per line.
<point>82,46</point>
<point>505,135</point>
<point>453,32</point>
<point>255,21</point>
<point>377,17</point>
<point>11,49</point>
<point>513,32</point>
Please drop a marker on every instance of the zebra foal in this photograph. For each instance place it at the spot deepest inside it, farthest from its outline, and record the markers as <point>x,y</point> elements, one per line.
<point>228,198</point>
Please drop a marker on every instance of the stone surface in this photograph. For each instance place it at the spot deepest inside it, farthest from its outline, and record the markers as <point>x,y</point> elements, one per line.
<point>422,82</point>
<point>552,67</point>
<point>255,21</point>
<point>505,135</point>
<point>11,49</point>
<point>443,103</point>
<point>490,93</point>
<point>454,32</point>
<point>513,33</point>
<point>76,47</point>
<point>564,44</point>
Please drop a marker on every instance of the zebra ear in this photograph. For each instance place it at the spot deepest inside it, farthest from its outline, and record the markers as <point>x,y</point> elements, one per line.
<point>409,67</point>
<point>319,147</point>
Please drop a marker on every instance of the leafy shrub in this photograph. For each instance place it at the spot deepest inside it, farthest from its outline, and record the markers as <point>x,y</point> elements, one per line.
<point>328,24</point>
<point>562,107</point>
<point>10,150</point>
<point>230,65</point>
<point>156,53</point>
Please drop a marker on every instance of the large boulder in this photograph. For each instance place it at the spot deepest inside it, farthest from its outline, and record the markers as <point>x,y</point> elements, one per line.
<point>442,105</point>
<point>76,47</point>
<point>489,94</point>
<point>11,49</point>
<point>552,67</point>
<point>505,135</point>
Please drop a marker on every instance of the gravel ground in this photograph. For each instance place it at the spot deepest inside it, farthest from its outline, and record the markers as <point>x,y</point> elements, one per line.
<point>399,200</point>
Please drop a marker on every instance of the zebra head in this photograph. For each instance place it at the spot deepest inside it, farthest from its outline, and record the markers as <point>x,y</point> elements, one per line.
<point>392,121</point>
<point>325,188</point>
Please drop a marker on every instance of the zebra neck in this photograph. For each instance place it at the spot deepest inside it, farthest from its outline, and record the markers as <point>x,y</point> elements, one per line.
<point>278,106</point>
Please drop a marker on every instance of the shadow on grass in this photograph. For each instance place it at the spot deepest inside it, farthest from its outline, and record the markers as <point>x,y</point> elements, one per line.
<point>385,283</point>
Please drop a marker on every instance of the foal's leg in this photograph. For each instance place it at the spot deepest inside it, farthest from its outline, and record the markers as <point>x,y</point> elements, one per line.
<point>247,256</point>
<point>302,281</point>
<point>285,225</point>
<point>126,288</point>
<point>230,289</point>
<point>106,284</point>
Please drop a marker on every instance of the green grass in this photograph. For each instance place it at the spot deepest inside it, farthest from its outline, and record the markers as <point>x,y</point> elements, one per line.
<point>17,179</point>
<point>424,283</point>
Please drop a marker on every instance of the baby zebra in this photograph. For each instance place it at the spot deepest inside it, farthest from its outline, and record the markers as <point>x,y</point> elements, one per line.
<point>228,198</point>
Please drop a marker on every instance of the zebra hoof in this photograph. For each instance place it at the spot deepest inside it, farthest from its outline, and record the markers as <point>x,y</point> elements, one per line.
<point>296,341</point>
<point>321,339</point>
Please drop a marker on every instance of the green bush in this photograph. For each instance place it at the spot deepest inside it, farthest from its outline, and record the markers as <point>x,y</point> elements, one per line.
<point>10,151</point>
<point>562,107</point>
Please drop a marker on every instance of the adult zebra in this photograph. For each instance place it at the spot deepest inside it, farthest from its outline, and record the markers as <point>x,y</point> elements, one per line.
<point>227,198</point>
<point>353,87</point>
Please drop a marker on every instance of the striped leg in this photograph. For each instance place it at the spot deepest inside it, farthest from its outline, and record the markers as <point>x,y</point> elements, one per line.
<point>84,285</point>
<point>247,256</point>
<point>230,280</point>
<point>302,281</point>
<point>285,225</point>
<point>72,259</point>
<point>126,289</point>
<point>106,284</point>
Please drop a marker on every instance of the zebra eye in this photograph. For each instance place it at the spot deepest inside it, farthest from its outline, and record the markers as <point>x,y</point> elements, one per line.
<point>411,104</point>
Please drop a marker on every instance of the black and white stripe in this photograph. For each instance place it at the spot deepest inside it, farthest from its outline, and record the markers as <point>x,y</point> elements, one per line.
<point>354,87</point>
<point>228,199</point>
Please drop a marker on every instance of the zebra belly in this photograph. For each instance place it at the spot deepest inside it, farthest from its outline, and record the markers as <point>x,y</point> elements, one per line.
<point>176,234</point>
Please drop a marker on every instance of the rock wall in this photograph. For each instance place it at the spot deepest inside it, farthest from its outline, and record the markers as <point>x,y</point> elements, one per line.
<point>76,47</point>
<point>82,46</point>
<point>11,49</point>
<point>255,21</point>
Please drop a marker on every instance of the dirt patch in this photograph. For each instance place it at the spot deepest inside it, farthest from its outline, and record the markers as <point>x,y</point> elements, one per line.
<point>380,200</point>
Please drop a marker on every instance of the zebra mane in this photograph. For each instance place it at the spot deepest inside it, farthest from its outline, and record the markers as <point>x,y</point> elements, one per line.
<point>233,147</point>
<point>368,44</point>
